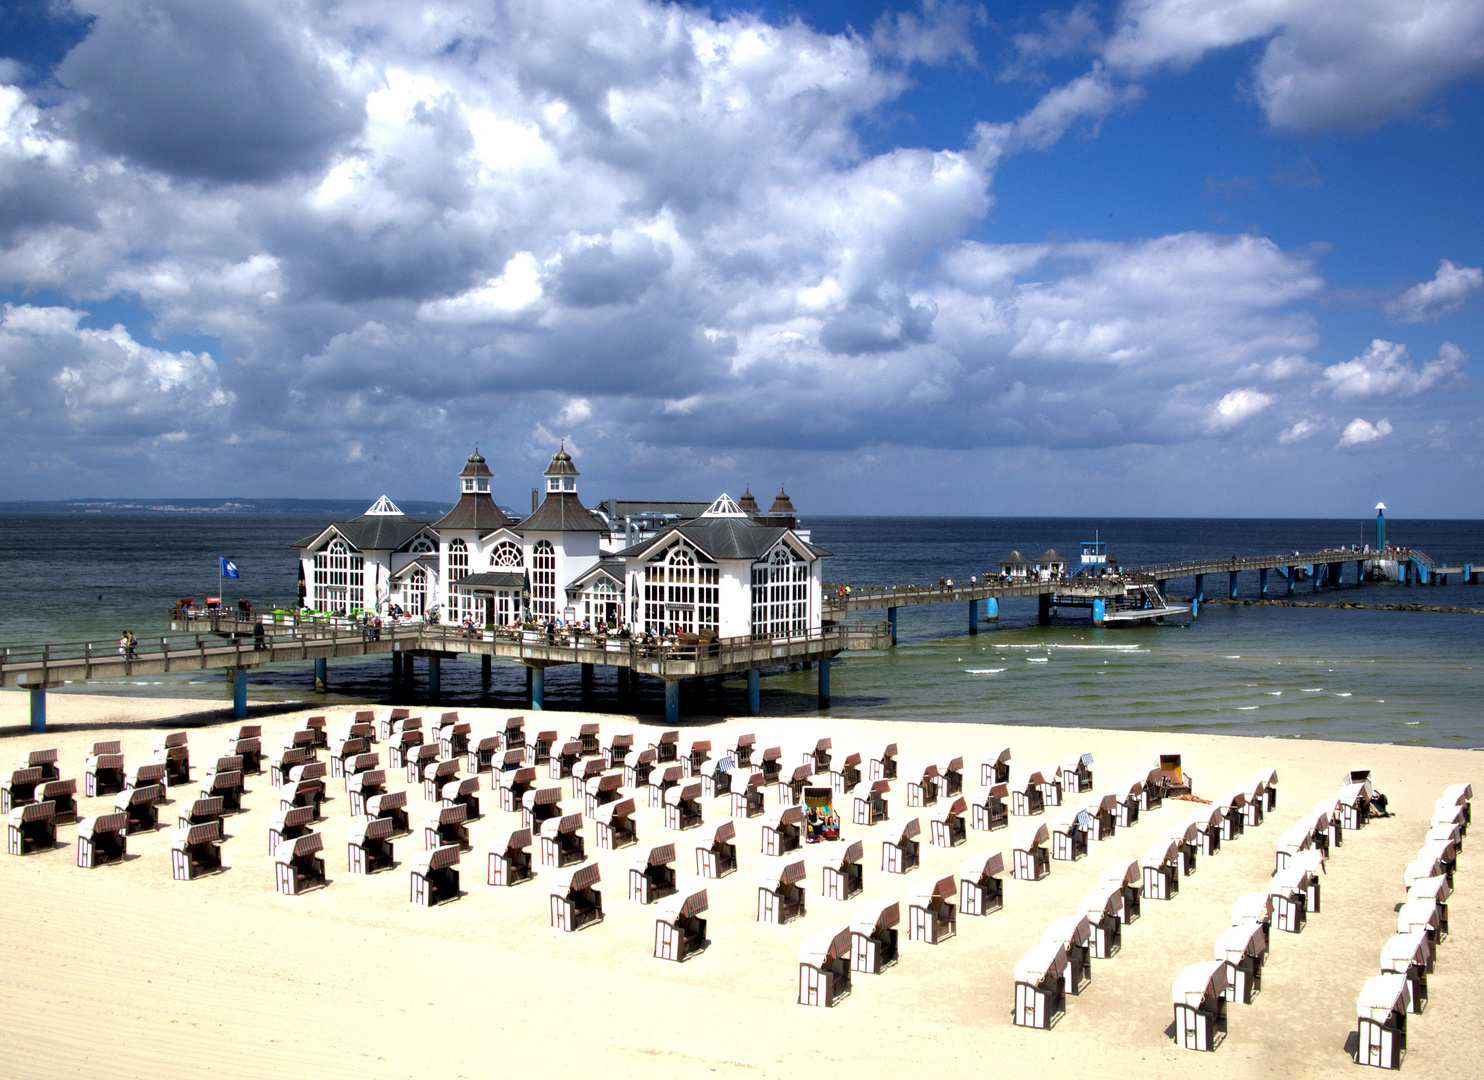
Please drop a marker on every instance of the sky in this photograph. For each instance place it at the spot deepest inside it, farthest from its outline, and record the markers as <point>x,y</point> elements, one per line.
<point>1137,258</point>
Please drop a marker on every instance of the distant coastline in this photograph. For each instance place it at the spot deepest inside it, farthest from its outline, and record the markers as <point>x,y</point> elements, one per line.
<point>351,507</point>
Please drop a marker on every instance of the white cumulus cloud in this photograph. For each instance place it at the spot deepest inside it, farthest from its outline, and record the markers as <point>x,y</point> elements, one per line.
<point>1359,432</point>
<point>1237,407</point>
<point>1382,370</point>
<point>1450,287</point>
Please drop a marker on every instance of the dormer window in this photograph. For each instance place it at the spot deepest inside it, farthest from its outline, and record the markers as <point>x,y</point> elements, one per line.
<point>569,483</point>
<point>554,483</point>
<point>468,485</point>
<point>482,484</point>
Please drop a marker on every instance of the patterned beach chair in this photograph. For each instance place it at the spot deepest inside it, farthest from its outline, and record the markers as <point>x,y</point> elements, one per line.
<point>818,759</point>
<point>368,846</point>
<point>445,827</point>
<point>1199,994</point>
<point>695,760</point>
<point>362,787</point>
<point>716,779</point>
<point>824,966</point>
<point>1076,774</point>
<point>44,759</point>
<point>1410,955</point>
<point>873,936</point>
<point>901,853</point>
<point>575,899</point>
<point>510,858</point>
<point>617,750</point>
<point>718,857</point>
<point>845,776</point>
<point>652,874</point>
<point>538,805</point>
<point>947,826</point>
<point>196,850</point>
<point>884,765</point>
<point>742,752</point>
<point>1242,949</point>
<point>1074,933</point>
<point>868,799</point>
<point>637,765</point>
<point>289,825</point>
<point>480,756</point>
<point>1068,836</point>
<point>564,759</point>
<point>980,889</point>
<point>601,790</point>
<point>932,910</point>
<point>19,789</point>
<point>1039,994</point>
<point>514,732</point>
<point>995,768</point>
<point>199,812</point>
<point>679,930</point>
<point>172,752</point>
<point>843,874</point>
<point>1032,861</point>
<point>791,787</point>
<point>683,806</point>
<point>62,794</point>
<point>1381,1021</point>
<point>391,805</point>
<point>782,830</point>
<point>298,866</point>
<point>747,795</point>
<point>435,876</point>
<point>771,764</point>
<point>101,840</point>
<point>513,785</point>
<point>142,807</point>
<point>667,747</point>
<point>1103,908</point>
<point>1028,799</point>
<point>463,793</point>
<point>616,825</point>
<point>538,749</point>
<point>561,841</point>
<point>30,828</point>
<point>661,780</point>
<point>780,894</point>
<point>103,774</point>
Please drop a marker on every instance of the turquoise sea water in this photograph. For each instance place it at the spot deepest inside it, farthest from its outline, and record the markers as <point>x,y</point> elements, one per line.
<point>1379,676</point>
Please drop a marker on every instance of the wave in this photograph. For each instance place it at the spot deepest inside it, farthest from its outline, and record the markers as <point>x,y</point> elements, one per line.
<point>1247,708</point>
<point>1054,645</point>
<point>1346,694</point>
<point>1312,690</point>
<point>1038,659</point>
<point>983,671</point>
<point>1273,693</point>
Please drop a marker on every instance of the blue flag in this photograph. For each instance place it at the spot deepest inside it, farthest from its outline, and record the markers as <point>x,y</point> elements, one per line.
<point>229,568</point>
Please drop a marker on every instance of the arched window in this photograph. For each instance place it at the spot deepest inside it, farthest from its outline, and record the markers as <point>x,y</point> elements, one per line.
<point>506,555</point>
<point>543,579</point>
<point>422,546</point>
<point>780,594</point>
<point>458,559</point>
<point>339,578</point>
<point>416,593</point>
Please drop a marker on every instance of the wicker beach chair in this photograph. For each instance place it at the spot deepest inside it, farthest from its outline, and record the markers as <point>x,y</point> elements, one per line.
<point>31,828</point>
<point>780,896</point>
<point>843,875</point>
<point>1242,949</point>
<point>298,865</point>
<point>103,774</point>
<point>932,910</point>
<point>683,806</point>
<point>661,780</point>
<point>1040,997</point>
<point>791,787</point>
<point>564,758</point>
<point>884,765</point>
<point>368,846</point>
<point>1199,994</point>
<point>199,812</point>
<point>1409,955</point>
<point>142,807</point>
<point>824,966</point>
<point>445,827</point>
<point>391,805</point>
<point>1076,774</point>
<point>575,899</point>
<point>1029,799</point>
<point>196,850</point>
<point>1068,835</point>
<point>987,808</point>
<point>1186,838</point>
<point>1161,864</point>
<point>510,858</point>
<point>601,790</point>
<point>288,825</point>
<point>363,786</point>
<point>101,840</point>
<point>679,930</point>
<point>616,825</point>
<point>747,794</point>
<point>19,789</point>
<point>901,851</point>
<point>1381,1021</point>
<point>62,794</point>
<point>480,755</point>
<point>770,764</point>
<point>513,785</point>
<point>716,779</point>
<point>561,841</point>
<point>718,857</point>
<point>652,874</point>
<point>980,889</point>
<point>818,759</point>
<point>1103,908</point>
<point>869,806</point>
<point>1032,861</point>
<point>1073,933</point>
<point>873,936</point>
<point>172,752</point>
<point>538,805</point>
<point>538,749</point>
<point>924,790</point>
<point>435,876</point>
<point>742,752</point>
<point>1129,874</point>
<point>995,768</point>
<point>463,793</point>
<point>637,767</point>
<point>845,776</point>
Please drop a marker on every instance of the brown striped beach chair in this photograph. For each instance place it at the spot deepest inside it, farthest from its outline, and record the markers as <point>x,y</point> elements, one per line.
<point>869,802</point>
<point>995,768</point>
<point>1410,955</point>
<point>1032,861</point>
<point>1039,994</point>
<point>403,742</point>
<point>987,810</point>
<point>683,806</point>
<point>318,728</point>
<point>290,759</point>
<point>463,793</point>
<point>747,794</point>
<point>150,775</point>
<point>480,756</point>
<point>932,910</point>
<point>196,850</point>
<point>695,761</point>
<point>679,930</point>
<point>780,896</point>
<point>741,753</point>
<point>103,773</point>
<point>783,830</point>
<point>652,874</point>
<point>298,865</point>
<point>435,876</point>
<point>538,750</point>
<point>716,780</point>
<point>514,733</point>
<point>391,805</point>
<point>142,807</point>
<point>824,966</point>
<point>247,743</point>
<point>345,750</point>
<point>1076,774</point>
<point>510,858</point>
<point>368,846</point>
<point>843,874</point>
<point>418,758</point>
<point>947,826</point>
<point>980,889</point>
<point>791,787</point>
<point>951,777</point>
<point>355,766</point>
<point>666,747</point>
<point>19,789</point>
<point>101,840</point>
<point>901,852</point>
<point>1130,799</point>
<point>924,790</point>
<point>172,752</point>
<point>818,759</point>
<point>561,841</point>
<point>587,734</point>
<point>1161,863</point>
<point>435,774</point>
<point>514,785</point>
<point>302,793</point>
<point>873,936</point>
<point>288,825</point>
<point>1102,816</point>
<point>718,857</point>
<point>846,776</point>
<point>444,826</point>
<point>576,901</point>
<point>30,828</point>
<point>537,805</point>
<point>601,790</point>
<point>45,760</point>
<point>1206,820</point>
<point>1051,789</point>
<point>564,759</point>
<point>1130,874</point>
<point>453,736</point>
<point>662,780</point>
<point>884,765</point>
<point>617,750</point>
<point>1029,799</point>
<point>361,786</point>
<point>771,764</point>
<point>1068,837</point>
<point>199,812</point>
<point>587,769</point>
<point>62,794</point>
<point>616,826</point>
<point>637,765</point>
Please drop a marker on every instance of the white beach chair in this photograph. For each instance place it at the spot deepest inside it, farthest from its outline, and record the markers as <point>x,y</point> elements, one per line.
<point>1416,915</point>
<point>616,825</point>
<point>818,759</point>
<point>1039,993</point>
<point>297,864</point>
<point>746,799</point>
<point>1103,908</point>
<point>995,768</point>
<point>1254,909</point>
<point>1200,1005</point>
<point>1187,840</point>
<point>661,780</point>
<point>679,930</point>
<point>884,765</point>
<point>1068,835</point>
<point>1243,949</point>
<point>1161,865</point>
<point>683,806</point>
<point>946,824</point>
<point>980,888</point>
<point>196,850</point>
<point>288,824</point>
<point>564,759</point>
<point>1289,889</point>
<point>391,805</point>
<point>539,804</point>
<point>873,936</point>
<point>1076,774</point>
<point>1128,874</point>
<point>1206,820</point>
<point>845,776</point>
<point>824,966</point>
<point>652,874</point>
<point>1381,1021</point>
<point>1130,799</point>
<point>601,790</point>
<point>510,858</point>
<point>924,790</point>
<point>718,857</point>
<point>435,876</point>
<point>561,841</point>
<point>869,799</point>
<point>695,760</point>
<point>901,851</point>
<point>1029,799</point>
<point>1410,955</point>
<point>445,826</point>
<point>368,845</point>
<point>1028,847</point>
<point>843,877</point>
<point>1102,816</point>
<point>782,830</point>
<point>932,910</point>
<point>462,792</point>
<point>101,840</point>
<point>780,896</point>
<point>987,808</point>
<point>1051,789</point>
<point>31,828</point>
<point>1437,890</point>
<point>1073,933</point>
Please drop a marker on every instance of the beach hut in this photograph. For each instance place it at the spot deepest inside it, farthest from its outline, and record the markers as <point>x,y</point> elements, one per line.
<point>101,840</point>
<point>1130,798</point>
<point>1437,890</point>
<point>539,804</point>
<point>683,806</point>
<point>995,768</point>
<point>362,786</point>
<point>987,809</point>
<point>1254,909</point>
<point>1073,933</point>
<point>679,930</point>
<point>845,776</point>
<point>1381,1021</point>
<point>791,787</point>
<point>1127,875</point>
<point>510,858</point>
<point>780,897</point>
<point>538,748</point>
<point>288,824</point>
<point>1187,837</point>
<point>884,765</point>
<point>1076,774</point>
<point>747,799</point>
<point>172,752</point>
<point>1206,820</point>
<point>1416,915</point>
<point>575,899</point>
<point>873,936</point>
<point>1103,908</point>
<point>1032,861</point>
<point>1242,948</point>
<point>617,750</point>
<point>652,874</point>
<point>1028,800</point>
<point>716,779</point>
<point>445,826</point>
<point>843,874</point>
<point>1289,889</point>
<point>980,889</point>
<point>1015,566</point>
<point>1069,835</point>
<point>601,790</point>
<point>393,806</point>
<point>924,790</point>
<point>1409,955</point>
<point>782,830</point>
<point>1200,1005</point>
<point>667,746</point>
<point>742,752</point>
<point>824,966</point>
<point>661,780</point>
<point>561,841</point>
<point>1161,865</point>
<point>869,799</point>
<point>901,852</point>
<point>297,864</point>
<point>696,758</point>
<point>1039,994</point>
<point>637,765</point>
<point>932,910</point>
<point>718,857</point>
<point>771,764</point>
<point>615,825</point>
<point>946,824</point>
<point>31,828</point>
<point>369,845</point>
<point>818,759</point>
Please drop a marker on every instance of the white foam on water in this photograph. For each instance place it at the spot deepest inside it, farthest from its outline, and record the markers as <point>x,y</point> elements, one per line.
<point>1247,708</point>
<point>1055,645</point>
<point>1273,693</point>
<point>1412,723</point>
<point>1231,658</point>
<point>1346,694</point>
<point>983,671</point>
<point>1038,659</point>
<point>1312,690</point>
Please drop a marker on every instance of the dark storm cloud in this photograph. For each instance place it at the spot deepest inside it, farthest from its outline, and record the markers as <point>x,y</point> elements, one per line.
<point>608,273</point>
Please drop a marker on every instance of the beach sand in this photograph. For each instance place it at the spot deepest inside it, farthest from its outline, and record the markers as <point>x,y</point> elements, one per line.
<point>123,972</point>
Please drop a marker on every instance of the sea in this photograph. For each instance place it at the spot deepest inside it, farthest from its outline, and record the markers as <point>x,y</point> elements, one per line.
<point>1413,678</point>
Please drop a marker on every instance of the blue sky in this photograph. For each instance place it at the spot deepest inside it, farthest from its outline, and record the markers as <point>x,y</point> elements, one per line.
<point>1138,257</point>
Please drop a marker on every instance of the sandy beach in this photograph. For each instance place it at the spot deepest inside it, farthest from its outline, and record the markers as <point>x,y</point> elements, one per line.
<point>123,972</point>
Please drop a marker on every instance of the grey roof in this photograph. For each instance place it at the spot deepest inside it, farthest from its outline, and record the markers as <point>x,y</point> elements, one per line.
<point>427,562</point>
<point>371,532</point>
<point>474,510</point>
<point>475,466</point>
<point>561,511</point>
<point>1050,555</point>
<point>782,504</point>
<point>725,538</point>
<point>614,568</point>
<point>492,580</point>
<point>618,509</point>
<point>1015,558</point>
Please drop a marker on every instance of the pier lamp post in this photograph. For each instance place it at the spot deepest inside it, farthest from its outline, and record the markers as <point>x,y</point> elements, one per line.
<point>1380,526</point>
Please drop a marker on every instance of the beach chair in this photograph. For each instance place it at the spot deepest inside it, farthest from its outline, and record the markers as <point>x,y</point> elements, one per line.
<point>453,738</point>
<point>103,774</point>
<point>695,760</point>
<point>150,775</point>
<point>513,733</point>
<point>932,910</point>
<point>318,732</point>
<point>637,766</point>
<point>575,899</point>
<point>1444,851</point>
<point>298,866</point>
<point>45,760</point>
<point>1268,778</point>
<point>358,765</point>
<point>1073,933</point>
<point>1451,814</point>
<point>249,748</point>
<point>445,826</point>
<point>1152,791</point>
<point>435,774</point>
<point>1175,780</point>
<point>873,936</point>
<point>1381,1021</point>
<point>587,735</point>
<point>538,749</point>
<point>771,764</point>
<point>780,896</point>
<point>818,759</point>
<point>843,875</point>
<point>1289,889</point>
<point>1040,997</point>
<point>1102,816</point>
<point>1051,789</point>
<point>561,841</point>
<point>824,966</point>
<point>1161,865</point>
<point>291,758</point>
<point>683,806</point>
<point>62,794</point>
<point>869,802</point>
<point>480,755</point>
<point>1242,949</point>
<point>951,776</point>
<point>199,812</point>
<point>587,769</point>
<point>615,825</point>
<point>716,780</point>
<point>601,790</point>
<point>1187,839</point>
<point>345,750</point>
<point>387,724</point>
<point>435,876</point>
<point>369,845</point>
<point>747,800</point>
<point>617,749</point>
<point>142,807</point>
<point>1032,861</point>
<point>1068,835</point>
<point>1436,889</point>
<point>1255,807</point>
<point>307,792</point>
<point>564,759</point>
<point>1076,774</point>
<point>1206,821</point>
<point>404,744</point>
<point>783,830</point>
<point>1130,799</point>
<point>980,889</point>
<point>1128,875</point>
<point>463,793</point>
<point>1355,805</point>
<point>667,747</point>
<point>1200,1005</point>
<point>196,850</point>
<point>172,752</point>
<point>1290,843</point>
<point>1409,955</point>
<point>845,777</point>
<point>947,826</point>
<point>884,765</point>
<point>31,828</point>
<point>718,858</point>
<point>510,858</point>
<point>1233,814</point>
<point>101,840</point>
<point>288,824</point>
<point>418,759</point>
<point>363,786</point>
<point>901,852</point>
<point>995,768</point>
<point>1254,909</point>
<point>679,930</point>
<point>1029,800</point>
<point>1103,908</point>
<point>987,809</point>
<point>538,805</point>
<point>391,805</point>
<point>742,752</point>
<point>791,787</point>
<point>1413,916</point>
<point>661,780</point>
<point>924,790</point>
<point>514,785</point>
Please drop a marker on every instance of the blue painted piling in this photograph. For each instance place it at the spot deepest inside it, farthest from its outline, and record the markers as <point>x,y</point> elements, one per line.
<point>38,709</point>
<point>973,616</point>
<point>321,674</point>
<point>672,701</point>
<point>239,692</point>
<point>824,682</point>
<point>754,692</point>
<point>1231,585</point>
<point>435,676</point>
<point>891,617</point>
<point>536,678</point>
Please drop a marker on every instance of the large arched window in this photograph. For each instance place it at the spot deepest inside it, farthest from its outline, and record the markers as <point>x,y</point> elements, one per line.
<point>416,593</point>
<point>458,559</point>
<point>506,555</point>
<point>543,579</point>
<point>780,594</point>
<point>422,546</point>
<point>339,578</point>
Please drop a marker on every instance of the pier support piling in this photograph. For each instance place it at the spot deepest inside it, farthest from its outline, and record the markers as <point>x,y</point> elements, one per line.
<point>435,677</point>
<point>587,679</point>
<point>1197,595</point>
<point>396,667</point>
<point>754,692</point>
<point>1314,573</point>
<point>1335,577</point>
<point>672,701</point>
<point>992,609</point>
<point>38,709</point>
<point>1099,610</point>
<point>486,665</point>
<point>321,674</point>
<point>1262,583</point>
<point>239,692</point>
<point>1231,584</point>
<point>536,687</point>
<point>891,617</point>
<point>1288,574</point>
<point>973,617</point>
<point>824,682</point>
<point>1043,611</point>
<point>625,677</point>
